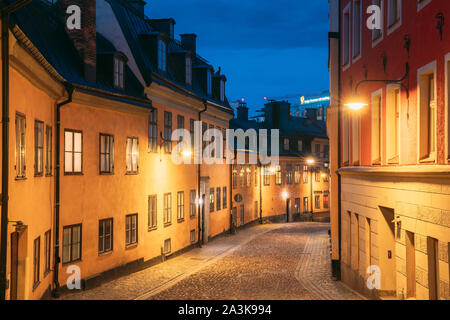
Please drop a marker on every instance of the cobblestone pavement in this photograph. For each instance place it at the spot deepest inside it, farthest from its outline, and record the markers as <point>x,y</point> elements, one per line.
<point>273,261</point>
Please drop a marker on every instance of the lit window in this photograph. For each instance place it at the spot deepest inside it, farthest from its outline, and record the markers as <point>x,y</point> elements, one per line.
<point>73,152</point>
<point>152,212</point>
<point>167,132</point>
<point>180,206</point>
<point>106,153</point>
<point>376,129</point>
<point>192,203</point>
<point>105,233</point>
<point>38,148</point>
<point>427,117</point>
<point>153,131</point>
<point>131,227</point>
<point>211,200</point>
<point>118,73</point>
<point>356,139</point>
<point>278,176</point>
<point>20,146</point>
<point>48,155</point>
<point>167,208</point>
<point>71,251</point>
<point>393,124</point>
<point>132,155</point>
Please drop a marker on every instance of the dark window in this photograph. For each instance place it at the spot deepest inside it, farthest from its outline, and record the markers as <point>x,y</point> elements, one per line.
<point>71,244</point>
<point>73,152</point>
<point>225,204</point>
<point>234,176</point>
<point>105,236</point>
<point>267,176</point>
<point>288,174</point>
<point>297,205</point>
<point>192,131</point>
<point>153,131</point>
<point>180,206</point>
<point>167,208</point>
<point>180,123</point>
<point>131,227</point>
<point>167,246</point>
<point>106,153</point>
<point>47,252</point>
<point>167,132</point>
<point>20,146</point>
<point>317,202</point>
<point>119,67</point>
<point>242,214</point>
<point>49,147</point>
<point>132,155</point>
<point>325,201</point>
<point>36,261</point>
<point>38,148</point>
<point>192,203</point>
<point>152,212</point>
<point>192,236</point>
<point>219,199</point>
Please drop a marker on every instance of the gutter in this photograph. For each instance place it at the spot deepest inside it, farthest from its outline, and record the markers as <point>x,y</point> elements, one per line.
<point>57,259</point>
<point>201,222</point>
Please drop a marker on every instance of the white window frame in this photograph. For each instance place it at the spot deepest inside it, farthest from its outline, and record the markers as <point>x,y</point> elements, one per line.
<point>389,88</point>
<point>356,123</point>
<point>429,68</point>
<point>379,92</point>
<point>358,56</point>
<point>422,5</point>
<point>395,25</point>
<point>377,41</point>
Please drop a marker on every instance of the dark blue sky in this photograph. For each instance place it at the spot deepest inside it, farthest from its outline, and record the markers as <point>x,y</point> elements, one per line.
<point>265,47</point>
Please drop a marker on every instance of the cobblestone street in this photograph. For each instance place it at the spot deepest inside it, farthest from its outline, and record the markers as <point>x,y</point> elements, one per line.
<point>273,261</point>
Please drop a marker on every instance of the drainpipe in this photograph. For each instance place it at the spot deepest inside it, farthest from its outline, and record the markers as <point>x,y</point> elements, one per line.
<point>201,222</point>
<point>260,193</point>
<point>57,259</point>
<point>231,200</point>
<point>5,11</point>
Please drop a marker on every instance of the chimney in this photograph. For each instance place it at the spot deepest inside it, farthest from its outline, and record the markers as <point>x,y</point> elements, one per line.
<point>189,41</point>
<point>166,26</point>
<point>242,111</point>
<point>138,6</point>
<point>84,39</point>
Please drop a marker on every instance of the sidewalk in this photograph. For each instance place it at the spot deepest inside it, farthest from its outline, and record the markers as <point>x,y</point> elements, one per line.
<point>143,284</point>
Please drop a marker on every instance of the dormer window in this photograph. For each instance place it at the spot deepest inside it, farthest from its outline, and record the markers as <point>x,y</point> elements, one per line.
<point>119,64</point>
<point>222,90</point>
<point>188,70</point>
<point>161,55</point>
<point>208,83</point>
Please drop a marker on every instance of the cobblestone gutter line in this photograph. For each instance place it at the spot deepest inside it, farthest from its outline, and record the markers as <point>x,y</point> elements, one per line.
<point>314,265</point>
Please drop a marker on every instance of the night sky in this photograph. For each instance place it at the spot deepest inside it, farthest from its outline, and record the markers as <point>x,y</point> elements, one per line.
<point>267,48</point>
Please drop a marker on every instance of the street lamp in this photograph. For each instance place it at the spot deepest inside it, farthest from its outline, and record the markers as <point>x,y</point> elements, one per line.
<point>285,195</point>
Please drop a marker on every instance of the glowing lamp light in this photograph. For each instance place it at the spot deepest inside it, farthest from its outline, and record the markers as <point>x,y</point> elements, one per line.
<point>323,175</point>
<point>200,201</point>
<point>310,161</point>
<point>285,195</point>
<point>356,103</point>
<point>186,153</point>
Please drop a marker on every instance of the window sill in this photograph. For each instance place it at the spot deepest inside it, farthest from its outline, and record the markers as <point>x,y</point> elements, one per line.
<point>180,220</point>
<point>21,178</point>
<point>48,175</point>
<point>132,173</point>
<point>106,173</point>
<point>65,264</point>
<point>105,253</point>
<point>131,246</point>
<point>166,225</point>
<point>73,173</point>
<point>38,175</point>
<point>150,229</point>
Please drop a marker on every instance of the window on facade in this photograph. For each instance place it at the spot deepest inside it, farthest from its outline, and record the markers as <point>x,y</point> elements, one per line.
<point>266,175</point>
<point>105,236</point>
<point>305,174</point>
<point>167,208</point>
<point>346,38</point>
<point>106,153</point>
<point>180,122</point>
<point>317,174</point>
<point>376,129</point>
<point>393,124</point>
<point>257,170</point>
<point>278,175</point>
<point>132,155</point>
<point>289,174</point>
<point>211,200</point>
<point>36,261</point>
<point>427,116</point>
<point>73,152</point>
<point>297,205</point>
<point>286,144</point>
<point>47,252</point>
<point>249,176</point>
<point>38,148</point>
<point>378,33</point>
<point>48,154</point>
<point>208,83</point>
<point>213,140</point>
<point>192,203</point>
<point>188,70</point>
<point>356,139</point>
<point>131,227</point>
<point>225,195</point>
<point>71,251</point>
<point>119,66</point>
<point>167,132</point>
<point>20,146</point>
<point>346,139</point>
<point>305,205</point>
<point>192,132</point>
<point>394,12</point>
<point>219,199</point>
<point>300,145</point>
<point>180,206</point>
<point>152,212</point>
<point>167,246</point>
<point>317,202</point>
<point>235,171</point>
<point>357,14</point>
<point>242,176</point>
<point>297,174</point>
<point>317,150</point>
<point>326,203</point>
<point>204,129</point>
<point>326,151</point>
<point>162,55</point>
<point>153,131</point>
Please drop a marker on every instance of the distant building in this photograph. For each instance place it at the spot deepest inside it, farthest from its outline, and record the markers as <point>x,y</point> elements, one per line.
<point>295,189</point>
